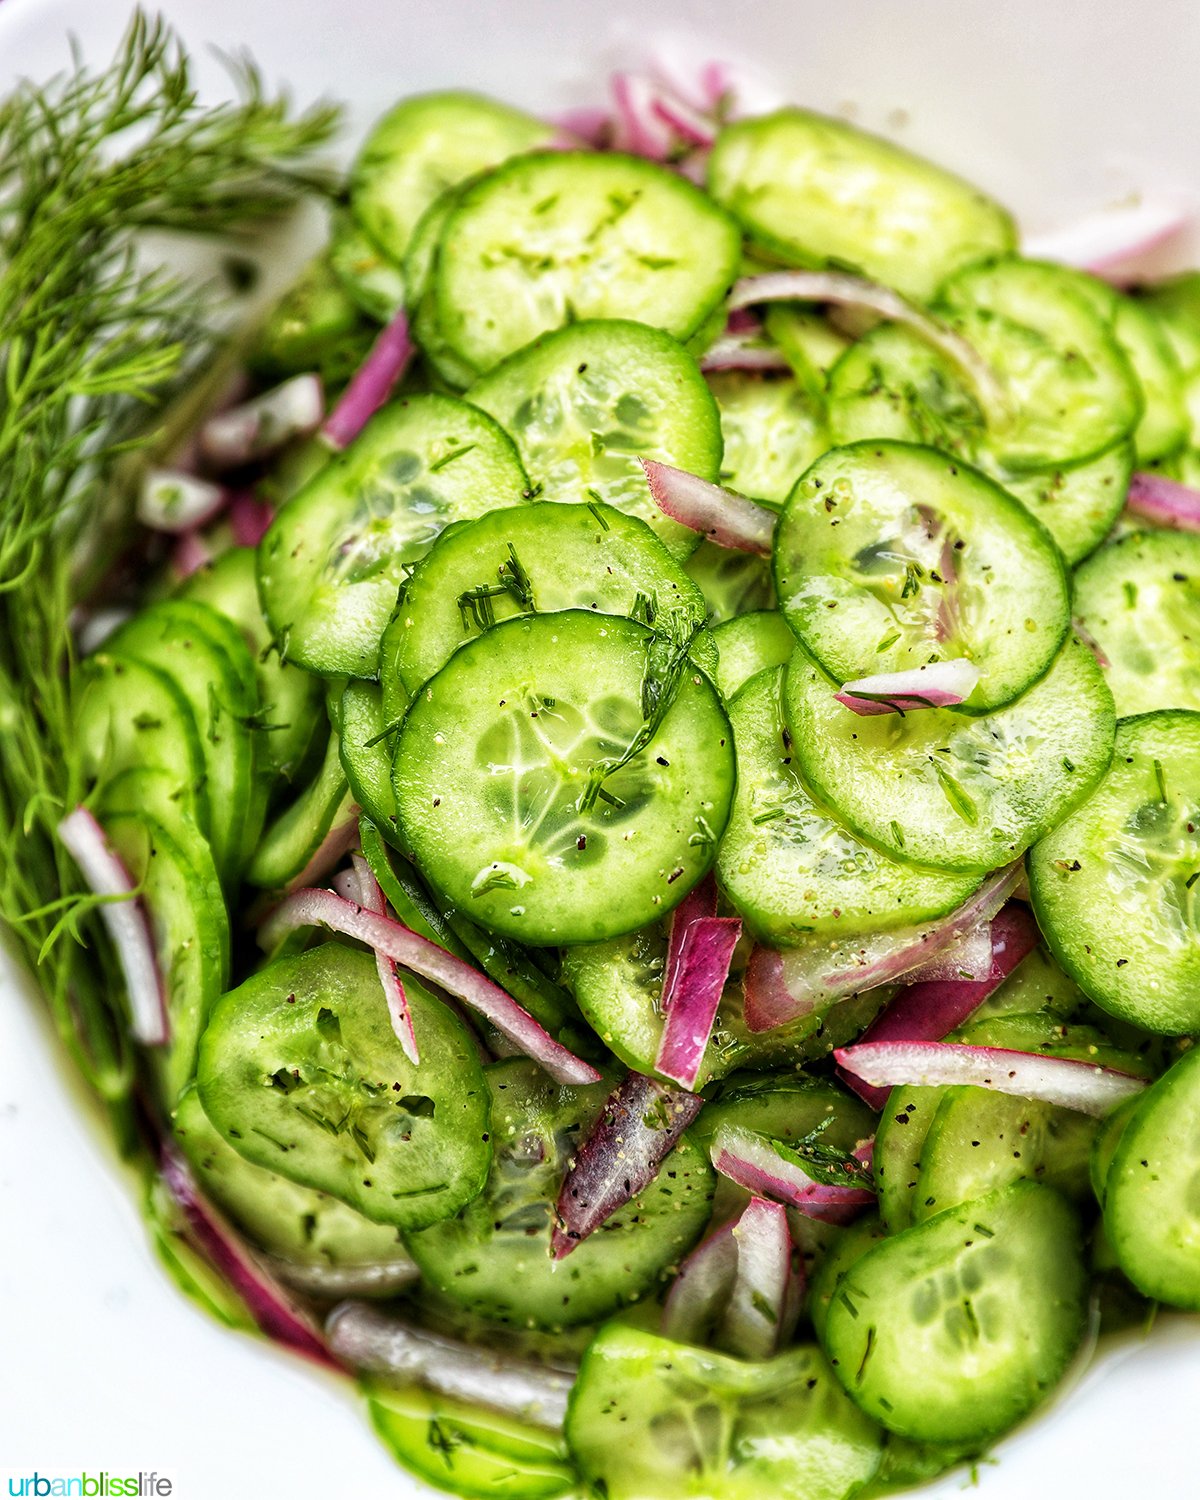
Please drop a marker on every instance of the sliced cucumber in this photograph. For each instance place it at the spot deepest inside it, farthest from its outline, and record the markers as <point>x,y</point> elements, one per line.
<point>370,276</point>
<point>1139,600</point>
<point>891,555</point>
<point>653,1420</point>
<point>314,326</point>
<point>1036,985</point>
<point>364,748</point>
<point>538,794</point>
<point>132,716</point>
<point>551,239</point>
<point>467,1449</point>
<point>536,559</point>
<point>773,429</point>
<point>301,1073</point>
<point>816,191</point>
<point>208,661</point>
<point>618,985</point>
<point>584,403</point>
<point>1070,390</point>
<point>899,1139</point>
<point>330,567</point>
<point>289,698</point>
<point>1152,1189</point>
<point>733,583</point>
<point>847,1246</point>
<point>420,263</point>
<point>947,789</point>
<point>296,833</point>
<point>300,1226</point>
<point>749,644</point>
<point>985,1298</point>
<point>1077,505</point>
<point>790,869</point>
<point>1164,426</point>
<point>494,1257</point>
<point>809,343</point>
<point>188,919</point>
<point>1114,886</point>
<point>426,144</point>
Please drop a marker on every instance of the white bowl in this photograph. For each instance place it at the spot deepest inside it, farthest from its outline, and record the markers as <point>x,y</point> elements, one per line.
<point>1054,108</point>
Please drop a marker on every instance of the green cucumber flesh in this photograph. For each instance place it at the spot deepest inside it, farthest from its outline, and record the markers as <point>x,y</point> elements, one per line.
<point>749,644</point>
<point>772,429</point>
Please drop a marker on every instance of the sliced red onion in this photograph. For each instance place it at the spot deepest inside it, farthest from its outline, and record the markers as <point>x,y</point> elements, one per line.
<point>260,427</point>
<point>333,848</point>
<point>868,296</point>
<point>1155,498</point>
<point>639,127</point>
<point>968,959</point>
<point>368,1339</point>
<point>173,501</point>
<point>727,519</point>
<point>249,518</point>
<point>784,985</point>
<point>742,351</point>
<point>700,1292</point>
<point>634,1133</point>
<point>1071,1084</point>
<point>587,125</point>
<point>191,553</point>
<point>694,166</point>
<point>700,901</point>
<point>932,1009</point>
<point>272,1308</point>
<point>684,122</point>
<point>85,841</point>
<point>316,908</point>
<point>370,898</point>
<point>754,1162</point>
<point>939,684</point>
<point>372,384</point>
<point>699,982</point>
<point>1090,641</point>
<point>765,1299</point>
<point>1110,237</point>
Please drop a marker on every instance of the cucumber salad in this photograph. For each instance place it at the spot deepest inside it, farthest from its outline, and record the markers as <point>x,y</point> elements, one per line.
<point>636,770</point>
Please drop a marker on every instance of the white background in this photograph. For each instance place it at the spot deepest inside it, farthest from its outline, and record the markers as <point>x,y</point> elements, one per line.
<point>1056,108</point>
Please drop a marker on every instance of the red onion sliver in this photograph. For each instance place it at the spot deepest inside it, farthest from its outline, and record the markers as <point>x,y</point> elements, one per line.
<point>249,518</point>
<point>1155,498</point>
<point>733,351</point>
<point>639,127</point>
<point>173,501</point>
<point>370,898</point>
<point>686,123</point>
<point>191,554</point>
<point>1082,1086</point>
<point>271,1307</point>
<point>700,901</point>
<point>700,1292</point>
<point>587,125</point>
<point>85,841</point>
<point>784,985</point>
<point>635,1131</point>
<point>316,908</point>
<point>367,1338</point>
<point>765,1298</point>
<point>970,958</point>
<point>372,383</point>
<point>699,982</point>
<point>752,1161</point>
<point>333,848</point>
<point>727,519</point>
<point>262,426</point>
<point>939,684</point>
<point>853,291</point>
<point>1111,236</point>
<point>932,1009</point>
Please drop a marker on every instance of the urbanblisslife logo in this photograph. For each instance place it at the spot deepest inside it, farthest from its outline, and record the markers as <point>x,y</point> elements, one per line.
<point>102,1485</point>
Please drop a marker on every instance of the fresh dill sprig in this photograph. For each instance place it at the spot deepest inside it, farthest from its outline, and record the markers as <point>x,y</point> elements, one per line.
<point>93,346</point>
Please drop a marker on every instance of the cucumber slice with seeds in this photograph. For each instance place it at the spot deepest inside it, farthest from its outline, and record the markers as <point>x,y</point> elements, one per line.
<point>1115,886</point>
<point>540,558</point>
<point>533,783</point>
<point>947,789</point>
<point>585,403</point>
<point>989,1297</point>
<point>426,144</point>
<point>891,555</point>
<point>816,191</point>
<point>1139,600</point>
<point>301,1073</point>
<point>552,239</point>
<point>330,567</point>
<point>790,869</point>
<point>494,1258</point>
